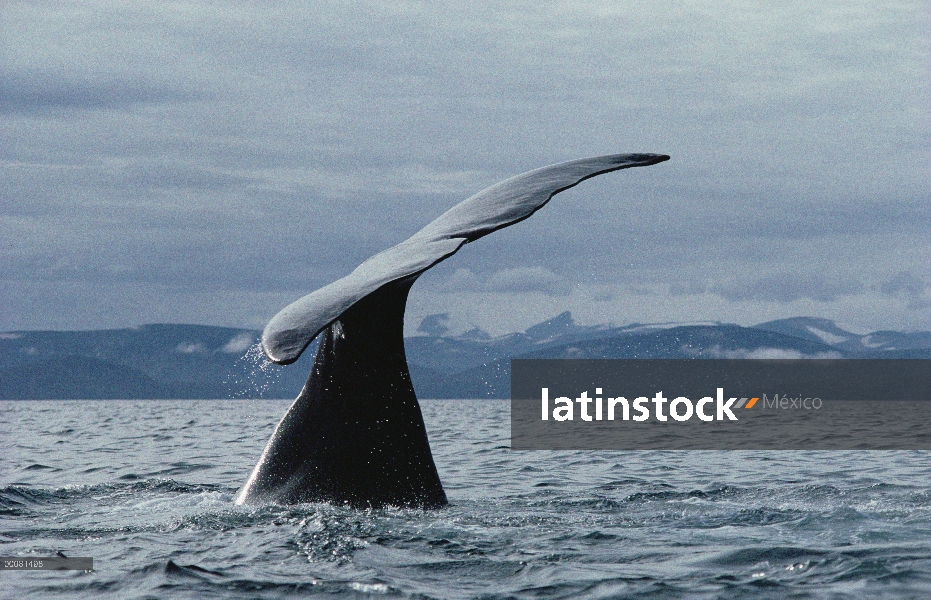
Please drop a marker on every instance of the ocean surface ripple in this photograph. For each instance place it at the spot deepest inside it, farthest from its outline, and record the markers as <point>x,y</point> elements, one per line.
<point>146,488</point>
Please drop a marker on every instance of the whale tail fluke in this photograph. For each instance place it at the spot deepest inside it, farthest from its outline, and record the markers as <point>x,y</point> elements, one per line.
<point>503,204</point>
<point>355,434</point>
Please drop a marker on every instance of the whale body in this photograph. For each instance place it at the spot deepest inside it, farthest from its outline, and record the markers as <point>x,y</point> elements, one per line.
<point>355,434</point>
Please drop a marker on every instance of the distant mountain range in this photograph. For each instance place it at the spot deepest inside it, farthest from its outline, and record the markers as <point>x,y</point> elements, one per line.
<point>198,361</point>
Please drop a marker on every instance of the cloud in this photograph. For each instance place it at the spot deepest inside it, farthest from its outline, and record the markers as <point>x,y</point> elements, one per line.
<point>31,92</point>
<point>240,151</point>
<point>906,285</point>
<point>191,348</point>
<point>514,280</point>
<point>689,287</point>
<point>239,343</point>
<point>768,354</point>
<point>788,287</point>
<point>529,279</point>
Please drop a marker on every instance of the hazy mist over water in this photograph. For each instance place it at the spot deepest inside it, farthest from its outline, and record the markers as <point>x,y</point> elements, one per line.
<point>146,489</point>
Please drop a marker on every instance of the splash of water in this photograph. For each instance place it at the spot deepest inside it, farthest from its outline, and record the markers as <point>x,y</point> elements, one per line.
<point>253,376</point>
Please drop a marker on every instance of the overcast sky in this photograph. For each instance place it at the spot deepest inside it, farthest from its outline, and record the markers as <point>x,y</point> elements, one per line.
<point>212,162</point>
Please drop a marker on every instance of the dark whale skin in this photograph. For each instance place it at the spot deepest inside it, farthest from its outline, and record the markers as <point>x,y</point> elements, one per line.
<point>355,435</point>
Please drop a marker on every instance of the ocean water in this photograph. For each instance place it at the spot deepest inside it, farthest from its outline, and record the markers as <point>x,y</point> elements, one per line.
<point>146,489</point>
